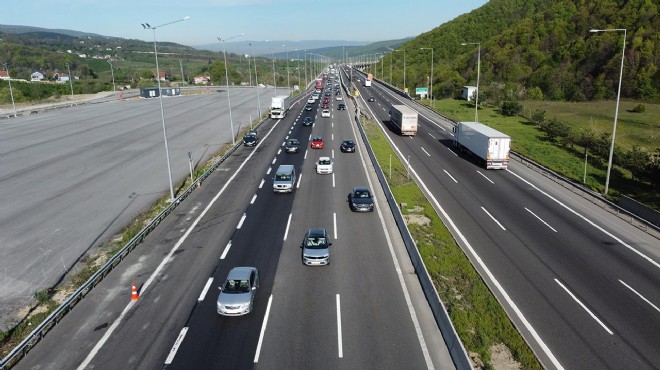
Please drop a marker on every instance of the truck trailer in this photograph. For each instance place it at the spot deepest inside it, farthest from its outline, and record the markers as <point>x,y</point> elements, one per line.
<point>367,82</point>
<point>404,118</point>
<point>279,106</point>
<point>490,145</point>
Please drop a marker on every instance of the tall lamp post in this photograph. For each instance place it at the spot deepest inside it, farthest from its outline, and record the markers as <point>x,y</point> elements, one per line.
<point>618,96</point>
<point>288,81</point>
<point>114,88</point>
<point>404,68</point>
<point>147,26</point>
<point>224,53</point>
<point>68,68</point>
<point>256,79</point>
<point>476,98</point>
<point>11,92</point>
<point>431,83</point>
<point>391,53</point>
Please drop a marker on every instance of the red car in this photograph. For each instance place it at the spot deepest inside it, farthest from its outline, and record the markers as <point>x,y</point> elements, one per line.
<point>326,100</point>
<point>317,143</point>
<point>325,106</point>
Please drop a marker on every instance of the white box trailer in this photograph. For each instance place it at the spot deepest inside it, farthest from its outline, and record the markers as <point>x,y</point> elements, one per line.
<point>485,142</point>
<point>279,106</point>
<point>404,118</point>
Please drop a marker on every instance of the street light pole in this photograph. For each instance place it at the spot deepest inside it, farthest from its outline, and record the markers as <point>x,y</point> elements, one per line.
<point>160,98</point>
<point>256,80</point>
<point>70,80</point>
<point>288,81</point>
<point>431,83</point>
<point>113,76</point>
<point>618,96</point>
<point>476,98</point>
<point>224,53</point>
<point>11,92</point>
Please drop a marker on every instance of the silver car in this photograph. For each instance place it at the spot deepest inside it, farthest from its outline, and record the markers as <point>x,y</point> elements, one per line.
<point>237,293</point>
<point>316,247</point>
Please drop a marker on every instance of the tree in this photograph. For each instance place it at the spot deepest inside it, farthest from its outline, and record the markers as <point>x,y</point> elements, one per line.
<point>511,108</point>
<point>555,129</point>
<point>636,161</point>
<point>538,117</point>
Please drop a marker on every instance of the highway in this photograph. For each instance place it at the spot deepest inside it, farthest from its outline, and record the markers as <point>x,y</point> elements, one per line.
<point>580,284</point>
<point>73,178</point>
<point>365,310</point>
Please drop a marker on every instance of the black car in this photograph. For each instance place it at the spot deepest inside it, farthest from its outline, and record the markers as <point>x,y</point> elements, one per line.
<point>292,146</point>
<point>308,107</point>
<point>341,106</point>
<point>308,121</point>
<point>371,99</point>
<point>347,146</point>
<point>361,200</point>
<point>250,139</point>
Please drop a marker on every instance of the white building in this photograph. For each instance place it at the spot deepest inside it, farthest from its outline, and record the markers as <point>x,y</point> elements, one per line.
<point>469,92</point>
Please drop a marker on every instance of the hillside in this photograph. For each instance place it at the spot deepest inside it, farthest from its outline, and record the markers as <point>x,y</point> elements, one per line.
<point>532,46</point>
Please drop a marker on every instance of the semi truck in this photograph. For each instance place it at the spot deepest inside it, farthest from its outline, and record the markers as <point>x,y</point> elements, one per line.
<point>404,118</point>
<point>367,82</point>
<point>279,106</point>
<point>488,144</point>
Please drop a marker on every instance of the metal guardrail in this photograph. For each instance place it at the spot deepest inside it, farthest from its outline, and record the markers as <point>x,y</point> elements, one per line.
<point>44,327</point>
<point>456,349</point>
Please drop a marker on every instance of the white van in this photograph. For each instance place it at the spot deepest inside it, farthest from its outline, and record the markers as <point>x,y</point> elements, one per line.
<point>285,178</point>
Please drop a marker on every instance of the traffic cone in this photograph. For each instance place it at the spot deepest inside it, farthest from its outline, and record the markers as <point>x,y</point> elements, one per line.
<point>134,293</point>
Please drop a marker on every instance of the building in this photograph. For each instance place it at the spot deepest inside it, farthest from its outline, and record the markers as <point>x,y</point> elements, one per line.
<point>469,92</point>
<point>163,76</point>
<point>36,76</point>
<point>202,79</point>
<point>4,75</point>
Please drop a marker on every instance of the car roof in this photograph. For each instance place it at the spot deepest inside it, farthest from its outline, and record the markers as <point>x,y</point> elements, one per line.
<point>317,138</point>
<point>240,273</point>
<point>361,188</point>
<point>316,232</point>
<point>324,158</point>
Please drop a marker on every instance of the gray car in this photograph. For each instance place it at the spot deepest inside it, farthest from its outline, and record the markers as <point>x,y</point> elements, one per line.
<point>316,247</point>
<point>292,146</point>
<point>237,293</point>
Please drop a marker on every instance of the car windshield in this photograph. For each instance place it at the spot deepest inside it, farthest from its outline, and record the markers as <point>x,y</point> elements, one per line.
<point>293,142</point>
<point>315,243</point>
<point>236,287</point>
<point>324,161</point>
<point>362,194</point>
<point>348,143</point>
<point>282,177</point>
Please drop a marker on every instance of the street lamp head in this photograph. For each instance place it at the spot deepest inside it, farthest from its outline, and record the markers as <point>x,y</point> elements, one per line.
<point>594,30</point>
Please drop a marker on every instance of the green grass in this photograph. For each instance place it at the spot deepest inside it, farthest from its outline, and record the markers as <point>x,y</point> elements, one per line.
<point>479,319</point>
<point>639,129</point>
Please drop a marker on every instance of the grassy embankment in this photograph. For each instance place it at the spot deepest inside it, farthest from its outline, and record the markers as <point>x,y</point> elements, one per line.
<point>480,321</point>
<point>640,129</point>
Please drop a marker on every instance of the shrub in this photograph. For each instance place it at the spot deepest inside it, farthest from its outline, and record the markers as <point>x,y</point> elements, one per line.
<point>640,108</point>
<point>511,108</point>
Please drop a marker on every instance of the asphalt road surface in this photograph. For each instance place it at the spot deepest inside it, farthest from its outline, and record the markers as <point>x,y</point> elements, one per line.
<point>74,177</point>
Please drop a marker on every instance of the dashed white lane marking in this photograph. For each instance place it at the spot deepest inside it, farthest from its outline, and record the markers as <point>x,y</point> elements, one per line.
<point>584,307</point>
<point>288,224</point>
<point>540,219</point>
<point>176,345</point>
<point>485,177</point>
<point>491,216</point>
<point>263,329</point>
<point>639,295</point>
<point>450,176</point>
<point>205,290</point>
<point>224,253</point>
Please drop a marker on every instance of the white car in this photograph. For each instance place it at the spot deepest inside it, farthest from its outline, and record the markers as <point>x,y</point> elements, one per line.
<point>324,165</point>
<point>310,100</point>
<point>325,113</point>
<point>339,97</point>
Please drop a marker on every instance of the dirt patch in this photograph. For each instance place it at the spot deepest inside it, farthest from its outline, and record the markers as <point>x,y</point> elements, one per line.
<point>502,359</point>
<point>416,219</point>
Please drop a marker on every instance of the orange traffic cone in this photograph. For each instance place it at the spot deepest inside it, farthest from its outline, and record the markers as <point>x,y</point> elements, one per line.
<point>134,293</point>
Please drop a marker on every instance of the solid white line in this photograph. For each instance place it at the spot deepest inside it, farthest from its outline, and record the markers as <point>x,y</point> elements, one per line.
<point>339,340</point>
<point>263,330</point>
<point>274,160</point>
<point>452,152</point>
<point>167,258</point>
<point>224,253</point>
<point>262,182</point>
<point>254,197</point>
<point>205,290</point>
<point>333,179</point>
<point>430,134</point>
<point>176,345</point>
<point>491,216</point>
<point>279,151</point>
<point>288,223</point>
<point>540,219</point>
<point>240,223</point>
<point>299,180</point>
<point>452,177</point>
<point>640,296</point>
<point>656,264</point>
<point>584,307</point>
<point>479,172</point>
<point>334,220</point>
<point>427,153</point>
<point>269,169</point>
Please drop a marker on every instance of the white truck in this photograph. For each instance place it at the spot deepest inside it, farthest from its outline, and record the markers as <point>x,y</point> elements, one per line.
<point>279,106</point>
<point>404,118</point>
<point>490,145</point>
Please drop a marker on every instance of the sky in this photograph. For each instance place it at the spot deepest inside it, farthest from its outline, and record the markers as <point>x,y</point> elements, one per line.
<point>295,20</point>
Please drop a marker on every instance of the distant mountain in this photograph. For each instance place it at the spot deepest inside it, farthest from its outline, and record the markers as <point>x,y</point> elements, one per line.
<point>28,29</point>
<point>275,46</point>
